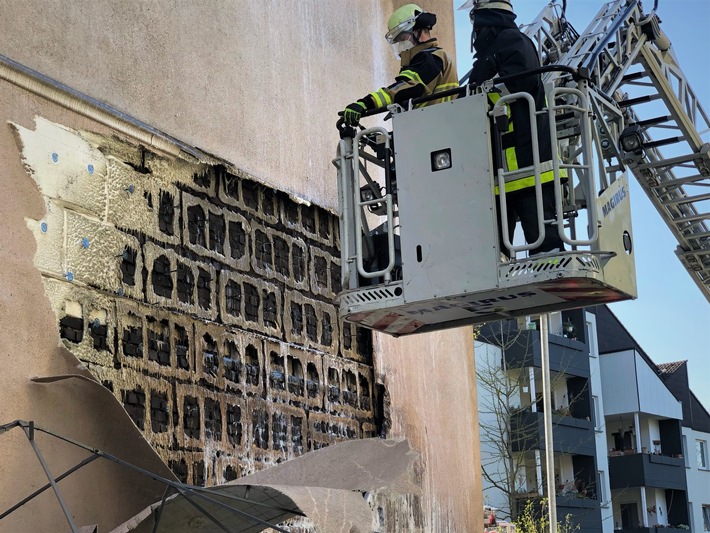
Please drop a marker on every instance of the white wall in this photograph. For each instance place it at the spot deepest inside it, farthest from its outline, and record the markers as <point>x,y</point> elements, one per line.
<point>657,507</point>
<point>655,398</point>
<point>698,480</point>
<point>256,83</point>
<point>630,385</point>
<point>618,381</point>
<point>600,437</point>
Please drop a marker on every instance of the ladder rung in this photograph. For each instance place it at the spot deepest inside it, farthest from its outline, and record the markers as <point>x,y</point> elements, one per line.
<point>688,199</point>
<point>693,218</point>
<point>697,236</point>
<point>653,121</point>
<point>639,100</point>
<point>663,142</point>
<point>675,183</point>
<point>633,76</point>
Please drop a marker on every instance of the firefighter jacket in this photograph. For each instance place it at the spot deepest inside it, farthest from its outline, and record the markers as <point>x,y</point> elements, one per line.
<point>425,69</point>
<point>502,49</point>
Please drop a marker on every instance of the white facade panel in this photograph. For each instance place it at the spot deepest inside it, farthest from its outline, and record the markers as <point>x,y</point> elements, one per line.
<point>631,386</point>
<point>654,396</point>
<point>698,479</point>
<point>619,387</point>
<point>596,386</point>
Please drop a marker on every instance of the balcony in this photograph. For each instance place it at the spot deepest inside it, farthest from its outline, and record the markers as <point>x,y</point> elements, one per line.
<point>646,470</point>
<point>570,435</point>
<point>584,512</point>
<point>567,356</point>
<point>652,529</point>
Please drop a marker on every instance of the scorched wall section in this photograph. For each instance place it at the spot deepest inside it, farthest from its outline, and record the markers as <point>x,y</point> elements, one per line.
<point>203,300</point>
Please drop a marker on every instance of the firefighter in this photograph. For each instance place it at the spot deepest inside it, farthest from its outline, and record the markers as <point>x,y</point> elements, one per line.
<point>425,68</point>
<point>502,49</point>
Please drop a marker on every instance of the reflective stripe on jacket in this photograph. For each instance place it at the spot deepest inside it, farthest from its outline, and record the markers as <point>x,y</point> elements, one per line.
<point>517,181</point>
<point>425,69</point>
<point>506,51</point>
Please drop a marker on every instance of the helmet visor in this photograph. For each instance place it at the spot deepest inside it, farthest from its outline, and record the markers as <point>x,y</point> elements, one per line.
<point>487,4</point>
<point>404,26</point>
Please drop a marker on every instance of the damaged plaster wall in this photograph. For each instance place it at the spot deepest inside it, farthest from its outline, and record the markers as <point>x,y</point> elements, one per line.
<point>202,300</point>
<point>30,347</point>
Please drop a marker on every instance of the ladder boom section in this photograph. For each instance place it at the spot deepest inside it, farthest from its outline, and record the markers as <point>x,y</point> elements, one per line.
<point>632,67</point>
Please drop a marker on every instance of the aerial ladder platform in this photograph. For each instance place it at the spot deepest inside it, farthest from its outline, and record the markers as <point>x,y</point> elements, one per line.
<point>418,210</point>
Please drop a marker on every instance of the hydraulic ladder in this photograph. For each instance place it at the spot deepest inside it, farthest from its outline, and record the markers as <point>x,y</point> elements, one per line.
<point>631,65</point>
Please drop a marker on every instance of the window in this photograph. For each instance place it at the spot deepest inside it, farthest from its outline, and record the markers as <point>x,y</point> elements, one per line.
<point>686,455</point>
<point>701,450</point>
<point>602,488</point>
<point>597,416</point>
<point>706,517</point>
<point>591,335</point>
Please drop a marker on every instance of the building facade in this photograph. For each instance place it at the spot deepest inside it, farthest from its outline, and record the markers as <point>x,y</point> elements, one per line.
<point>171,253</point>
<point>508,362</point>
<point>696,438</point>
<point>644,439</point>
<point>630,437</point>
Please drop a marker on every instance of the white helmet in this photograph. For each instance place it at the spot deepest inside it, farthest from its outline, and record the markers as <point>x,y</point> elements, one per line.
<point>505,5</point>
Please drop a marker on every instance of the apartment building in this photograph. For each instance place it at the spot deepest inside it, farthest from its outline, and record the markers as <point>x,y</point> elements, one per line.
<point>696,439</point>
<point>515,475</point>
<point>643,430</point>
<point>630,437</point>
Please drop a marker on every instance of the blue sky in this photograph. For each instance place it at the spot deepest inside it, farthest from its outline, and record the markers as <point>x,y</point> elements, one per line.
<point>671,318</point>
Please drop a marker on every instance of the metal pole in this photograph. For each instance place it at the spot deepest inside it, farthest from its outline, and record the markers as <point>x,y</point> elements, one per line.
<point>547,416</point>
<point>30,433</point>
<point>48,485</point>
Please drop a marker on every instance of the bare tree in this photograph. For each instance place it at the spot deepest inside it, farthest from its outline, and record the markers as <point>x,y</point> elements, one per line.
<point>509,430</point>
<point>498,401</point>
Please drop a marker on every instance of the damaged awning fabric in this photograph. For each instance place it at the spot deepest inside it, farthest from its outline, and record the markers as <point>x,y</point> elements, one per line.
<point>326,486</point>
<point>225,508</point>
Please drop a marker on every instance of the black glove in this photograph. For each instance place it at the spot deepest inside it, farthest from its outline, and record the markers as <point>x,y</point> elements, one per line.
<point>353,112</point>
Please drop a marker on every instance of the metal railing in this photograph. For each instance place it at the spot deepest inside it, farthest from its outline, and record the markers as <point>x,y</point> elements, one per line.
<point>575,102</point>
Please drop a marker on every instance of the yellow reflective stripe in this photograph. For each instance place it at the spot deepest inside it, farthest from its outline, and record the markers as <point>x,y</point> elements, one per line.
<point>410,74</point>
<point>381,98</point>
<point>511,158</point>
<point>445,87</point>
<point>523,183</point>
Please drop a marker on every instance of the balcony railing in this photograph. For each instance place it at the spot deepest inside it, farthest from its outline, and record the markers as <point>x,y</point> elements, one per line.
<point>567,356</point>
<point>646,470</point>
<point>570,435</point>
<point>652,529</point>
<point>584,512</point>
